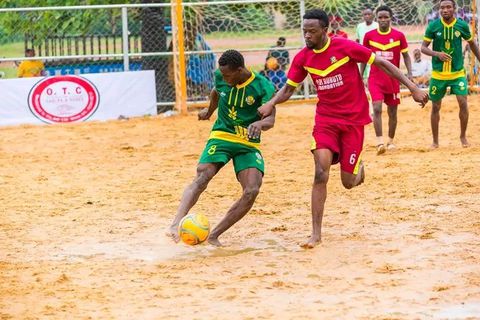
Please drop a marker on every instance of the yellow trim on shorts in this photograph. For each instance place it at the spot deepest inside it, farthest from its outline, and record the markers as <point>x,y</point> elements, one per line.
<point>427,39</point>
<point>359,160</point>
<point>313,144</point>
<point>231,137</point>
<point>404,50</point>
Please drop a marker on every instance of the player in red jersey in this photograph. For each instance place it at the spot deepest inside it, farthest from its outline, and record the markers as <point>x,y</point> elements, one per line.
<point>342,107</point>
<point>389,44</point>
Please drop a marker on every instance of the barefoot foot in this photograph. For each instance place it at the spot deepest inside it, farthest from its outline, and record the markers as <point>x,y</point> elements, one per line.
<point>381,149</point>
<point>312,242</point>
<point>465,143</point>
<point>214,242</point>
<point>172,232</point>
<point>434,146</point>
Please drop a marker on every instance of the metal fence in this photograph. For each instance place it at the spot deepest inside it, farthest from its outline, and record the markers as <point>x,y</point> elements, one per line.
<point>130,37</point>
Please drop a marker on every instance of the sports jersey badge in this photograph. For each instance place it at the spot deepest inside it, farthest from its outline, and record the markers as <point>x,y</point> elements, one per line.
<point>250,100</point>
<point>333,59</point>
<point>232,113</point>
<point>457,33</point>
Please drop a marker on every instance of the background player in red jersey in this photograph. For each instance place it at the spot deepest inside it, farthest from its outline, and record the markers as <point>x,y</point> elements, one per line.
<point>342,107</point>
<point>387,43</point>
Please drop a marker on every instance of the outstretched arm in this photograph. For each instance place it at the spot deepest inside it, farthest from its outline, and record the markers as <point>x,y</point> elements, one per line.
<point>408,64</point>
<point>283,95</point>
<point>417,94</point>
<point>206,113</point>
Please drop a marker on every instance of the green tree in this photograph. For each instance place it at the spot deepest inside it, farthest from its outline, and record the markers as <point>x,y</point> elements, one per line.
<point>39,25</point>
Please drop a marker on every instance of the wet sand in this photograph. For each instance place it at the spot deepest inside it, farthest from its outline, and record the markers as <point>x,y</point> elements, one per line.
<point>85,207</point>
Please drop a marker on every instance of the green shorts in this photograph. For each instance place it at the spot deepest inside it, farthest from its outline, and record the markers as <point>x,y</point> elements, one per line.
<point>244,157</point>
<point>438,88</point>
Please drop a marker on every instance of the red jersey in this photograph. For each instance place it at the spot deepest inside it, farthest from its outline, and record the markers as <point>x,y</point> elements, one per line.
<point>387,45</point>
<point>334,72</point>
<point>339,33</point>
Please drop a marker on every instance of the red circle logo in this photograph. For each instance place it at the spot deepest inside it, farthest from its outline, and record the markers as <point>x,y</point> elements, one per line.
<point>63,99</point>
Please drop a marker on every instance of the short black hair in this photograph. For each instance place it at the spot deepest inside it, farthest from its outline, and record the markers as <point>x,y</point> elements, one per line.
<point>231,58</point>
<point>318,14</point>
<point>453,1</point>
<point>384,8</point>
<point>29,50</point>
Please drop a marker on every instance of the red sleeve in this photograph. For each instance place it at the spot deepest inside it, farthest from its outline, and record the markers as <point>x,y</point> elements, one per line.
<point>403,43</point>
<point>297,72</point>
<point>359,53</point>
<point>366,38</point>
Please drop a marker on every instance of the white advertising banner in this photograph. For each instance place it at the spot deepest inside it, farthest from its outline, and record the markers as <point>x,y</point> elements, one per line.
<point>70,98</point>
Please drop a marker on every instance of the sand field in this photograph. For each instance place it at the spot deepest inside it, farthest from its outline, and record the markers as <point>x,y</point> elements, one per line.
<point>85,207</point>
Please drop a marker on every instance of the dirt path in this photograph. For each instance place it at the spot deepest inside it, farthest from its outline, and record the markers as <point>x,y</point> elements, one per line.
<point>84,209</point>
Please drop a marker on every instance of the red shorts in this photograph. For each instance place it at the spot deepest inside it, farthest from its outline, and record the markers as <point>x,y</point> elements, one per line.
<point>377,94</point>
<point>345,141</point>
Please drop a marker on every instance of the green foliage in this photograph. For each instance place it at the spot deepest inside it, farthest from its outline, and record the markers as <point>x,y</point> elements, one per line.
<point>39,25</point>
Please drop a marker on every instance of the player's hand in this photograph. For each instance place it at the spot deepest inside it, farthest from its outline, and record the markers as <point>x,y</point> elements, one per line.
<point>265,110</point>
<point>203,114</point>
<point>254,130</point>
<point>420,97</point>
<point>444,56</point>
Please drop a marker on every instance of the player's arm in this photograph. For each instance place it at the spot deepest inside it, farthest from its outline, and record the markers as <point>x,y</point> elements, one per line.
<point>281,96</point>
<point>408,64</point>
<point>417,94</point>
<point>366,44</point>
<point>474,47</point>
<point>362,69</point>
<point>206,113</point>
<point>255,129</point>
<point>429,52</point>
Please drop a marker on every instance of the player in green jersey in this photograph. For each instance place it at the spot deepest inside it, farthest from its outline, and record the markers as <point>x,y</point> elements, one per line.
<point>446,34</point>
<point>238,93</point>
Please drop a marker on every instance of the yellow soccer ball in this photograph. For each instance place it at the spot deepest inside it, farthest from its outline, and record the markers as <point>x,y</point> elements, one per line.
<point>194,228</point>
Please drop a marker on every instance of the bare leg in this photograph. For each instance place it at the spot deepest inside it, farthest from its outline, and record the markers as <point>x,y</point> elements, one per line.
<point>323,160</point>
<point>392,121</point>
<point>463,115</point>
<point>205,173</point>
<point>351,180</point>
<point>377,124</point>
<point>377,118</point>
<point>251,180</point>
<point>434,121</point>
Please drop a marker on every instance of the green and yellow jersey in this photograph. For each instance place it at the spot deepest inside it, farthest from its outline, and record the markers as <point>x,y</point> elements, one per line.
<point>237,107</point>
<point>448,38</point>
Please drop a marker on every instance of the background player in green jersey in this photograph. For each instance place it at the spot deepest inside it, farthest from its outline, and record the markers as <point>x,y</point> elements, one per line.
<point>446,34</point>
<point>238,93</point>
